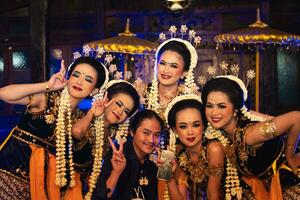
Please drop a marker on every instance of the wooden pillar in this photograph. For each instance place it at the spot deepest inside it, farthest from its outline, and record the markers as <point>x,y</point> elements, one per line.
<point>39,48</point>
<point>100,19</point>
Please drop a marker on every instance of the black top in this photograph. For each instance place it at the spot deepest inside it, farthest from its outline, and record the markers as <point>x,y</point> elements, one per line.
<point>129,179</point>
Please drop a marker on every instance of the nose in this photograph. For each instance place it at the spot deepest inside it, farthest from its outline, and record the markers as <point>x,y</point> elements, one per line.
<point>80,80</point>
<point>166,67</point>
<point>190,130</point>
<point>214,111</point>
<point>120,110</point>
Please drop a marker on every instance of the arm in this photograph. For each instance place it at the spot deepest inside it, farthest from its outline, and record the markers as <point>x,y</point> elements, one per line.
<point>178,191</point>
<point>287,123</point>
<point>118,162</point>
<point>19,93</point>
<point>216,156</point>
<point>81,126</point>
<point>263,131</point>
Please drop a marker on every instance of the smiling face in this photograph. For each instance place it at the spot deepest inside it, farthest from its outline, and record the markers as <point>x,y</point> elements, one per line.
<point>219,111</point>
<point>82,81</point>
<point>170,68</point>
<point>189,127</point>
<point>146,137</point>
<point>118,111</point>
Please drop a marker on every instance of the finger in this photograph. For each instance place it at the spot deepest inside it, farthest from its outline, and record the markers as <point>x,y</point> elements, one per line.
<point>121,146</point>
<point>62,67</point>
<point>158,152</point>
<point>112,144</point>
<point>109,103</point>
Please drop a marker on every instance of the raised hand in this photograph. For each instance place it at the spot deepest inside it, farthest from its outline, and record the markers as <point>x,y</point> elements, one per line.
<point>160,162</point>
<point>99,106</point>
<point>58,80</point>
<point>118,160</point>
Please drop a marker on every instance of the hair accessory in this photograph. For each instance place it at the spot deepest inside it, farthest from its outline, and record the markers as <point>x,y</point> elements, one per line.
<point>244,109</point>
<point>172,141</point>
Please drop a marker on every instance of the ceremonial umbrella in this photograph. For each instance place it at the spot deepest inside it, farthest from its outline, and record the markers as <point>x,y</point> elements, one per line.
<point>125,43</point>
<point>257,34</point>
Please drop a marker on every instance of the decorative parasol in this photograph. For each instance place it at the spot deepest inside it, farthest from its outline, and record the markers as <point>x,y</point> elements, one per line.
<point>257,34</point>
<point>125,42</point>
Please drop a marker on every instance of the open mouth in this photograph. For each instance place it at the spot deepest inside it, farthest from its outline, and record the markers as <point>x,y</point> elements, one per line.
<point>192,139</point>
<point>163,76</point>
<point>77,88</point>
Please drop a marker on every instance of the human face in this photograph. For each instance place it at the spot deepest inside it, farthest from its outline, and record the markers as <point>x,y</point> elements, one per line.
<point>146,137</point>
<point>118,111</point>
<point>189,127</point>
<point>170,68</point>
<point>82,81</point>
<point>219,111</point>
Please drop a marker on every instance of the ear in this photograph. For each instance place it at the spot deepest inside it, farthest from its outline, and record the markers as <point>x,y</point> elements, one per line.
<point>183,74</point>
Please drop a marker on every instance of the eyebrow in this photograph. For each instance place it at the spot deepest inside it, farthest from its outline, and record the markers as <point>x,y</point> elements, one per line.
<point>173,63</point>
<point>86,75</point>
<point>197,121</point>
<point>222,103</point>
<point>145,129</point>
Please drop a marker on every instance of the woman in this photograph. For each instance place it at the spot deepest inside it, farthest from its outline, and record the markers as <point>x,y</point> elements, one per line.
<point>92,131</point>
<point>33,141</point>
<point>127,172</point>
<point>258,146</point>
<point>200,165</point>
<point>175,61</point>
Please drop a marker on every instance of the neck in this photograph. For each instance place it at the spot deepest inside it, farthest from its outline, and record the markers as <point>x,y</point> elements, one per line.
<point>194,152</point>
<point>194,149</point>
<point>163,88</point>
<point>74,102</point>
<point>230,128</point>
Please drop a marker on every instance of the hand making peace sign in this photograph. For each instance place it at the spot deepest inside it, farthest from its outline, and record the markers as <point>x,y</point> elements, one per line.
<point>118,160</point>
<point>99,106</point>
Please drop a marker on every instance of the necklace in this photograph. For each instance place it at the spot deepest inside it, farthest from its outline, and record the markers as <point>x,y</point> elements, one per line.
<point>143,179</point>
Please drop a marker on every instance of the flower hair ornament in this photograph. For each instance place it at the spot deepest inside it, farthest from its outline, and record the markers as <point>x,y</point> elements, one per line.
<point>189,77</point>
<point>244,109</point>
<point>173,135</point>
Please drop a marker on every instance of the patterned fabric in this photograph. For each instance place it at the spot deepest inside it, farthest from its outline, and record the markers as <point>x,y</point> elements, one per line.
<point>13,188</point>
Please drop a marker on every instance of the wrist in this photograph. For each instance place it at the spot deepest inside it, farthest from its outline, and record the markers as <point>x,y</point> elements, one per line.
<point>47,86</point>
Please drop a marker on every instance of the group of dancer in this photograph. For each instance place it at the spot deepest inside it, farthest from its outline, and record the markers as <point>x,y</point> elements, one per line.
<point>222,151</point>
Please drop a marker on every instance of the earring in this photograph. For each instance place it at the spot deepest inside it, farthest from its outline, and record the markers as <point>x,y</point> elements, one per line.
<point>91,95</point>
<point>234,114</point>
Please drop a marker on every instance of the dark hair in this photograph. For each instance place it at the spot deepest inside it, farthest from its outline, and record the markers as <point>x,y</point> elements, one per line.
<point>179,48</point>
<point>140,116</point>
<point>125,88</point>
<point>181,105</point>
<point>92,62</point>
<point>227,86</point>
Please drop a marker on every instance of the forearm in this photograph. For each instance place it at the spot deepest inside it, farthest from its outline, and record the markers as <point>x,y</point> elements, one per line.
<point>81,126</point>
<point>112,182</point>
<point>213,192</point>
<point>18,91</point>
<point>174,191</point>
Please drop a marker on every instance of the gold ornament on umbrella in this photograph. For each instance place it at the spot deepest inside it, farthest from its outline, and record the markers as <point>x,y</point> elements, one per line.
<point>258,33</point>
